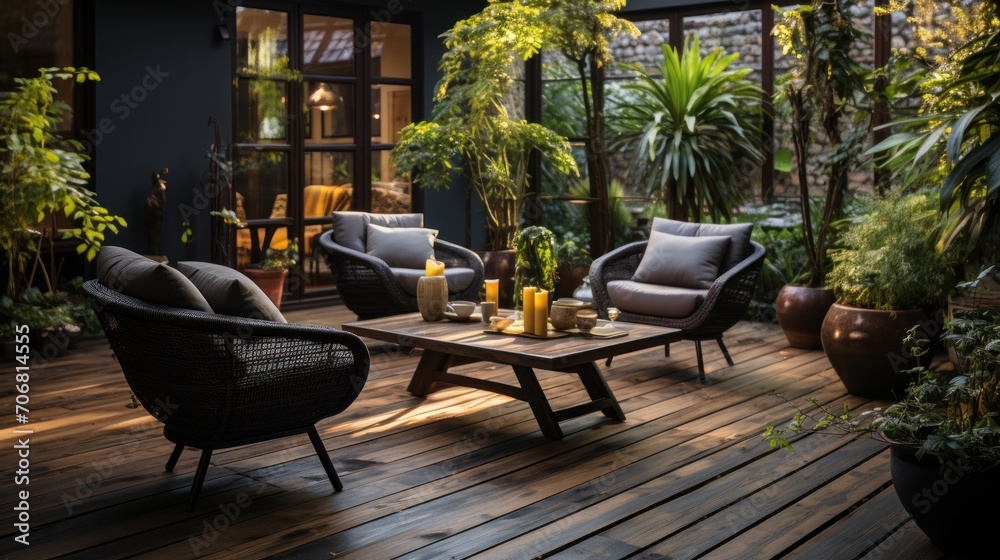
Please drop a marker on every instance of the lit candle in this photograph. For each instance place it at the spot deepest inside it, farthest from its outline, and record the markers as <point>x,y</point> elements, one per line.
<point>529,310</point>
<point>541,313</point>
<point>493,292</point>
<point>433,268</point>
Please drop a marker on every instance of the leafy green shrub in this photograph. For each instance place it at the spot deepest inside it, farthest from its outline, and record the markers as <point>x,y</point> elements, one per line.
<point>785,259</point>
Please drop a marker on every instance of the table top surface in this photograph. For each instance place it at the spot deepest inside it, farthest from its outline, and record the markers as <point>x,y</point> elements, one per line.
<point>468,339</point>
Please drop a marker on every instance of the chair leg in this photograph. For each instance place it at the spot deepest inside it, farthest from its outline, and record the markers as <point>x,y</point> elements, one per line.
<point>666,350</point>
<point>607,363</point>
<point>174,456</point>
<point>729,359</point>
<point>701,361</point>
<point>324,458</point>
<point>199,478</point>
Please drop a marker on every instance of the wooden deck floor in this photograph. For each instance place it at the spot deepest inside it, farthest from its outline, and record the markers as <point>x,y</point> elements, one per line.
<point>467,474</point>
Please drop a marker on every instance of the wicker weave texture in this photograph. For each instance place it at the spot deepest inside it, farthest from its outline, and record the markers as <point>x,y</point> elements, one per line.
<point>224,380</point>
<point>368,287</point>
<point>725,304</point>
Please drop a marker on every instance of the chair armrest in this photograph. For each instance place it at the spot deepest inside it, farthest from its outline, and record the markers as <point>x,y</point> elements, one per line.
<point>619,264</point>
<point>729,296</point>
<point>334,252</point>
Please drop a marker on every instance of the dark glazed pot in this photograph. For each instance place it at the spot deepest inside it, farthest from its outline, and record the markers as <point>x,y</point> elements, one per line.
<point>950,504</point>
<point>500,265</point>
<point>865,348</point>
<point>800,312</point>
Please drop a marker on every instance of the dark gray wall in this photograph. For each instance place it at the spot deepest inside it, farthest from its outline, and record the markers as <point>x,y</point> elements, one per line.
<point>164,72</point>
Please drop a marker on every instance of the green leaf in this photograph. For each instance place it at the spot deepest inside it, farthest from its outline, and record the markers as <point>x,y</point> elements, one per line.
<point>783,160</point>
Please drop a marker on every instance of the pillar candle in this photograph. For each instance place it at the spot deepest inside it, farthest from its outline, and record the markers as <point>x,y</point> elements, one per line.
<point>433,268</point>
<point>529,310</point>
<point>541,313</point>
<point>493,292</point>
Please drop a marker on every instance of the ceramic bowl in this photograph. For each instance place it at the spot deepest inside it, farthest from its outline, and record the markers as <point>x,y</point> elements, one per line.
<point>586,320</point>
<point>463,308</point>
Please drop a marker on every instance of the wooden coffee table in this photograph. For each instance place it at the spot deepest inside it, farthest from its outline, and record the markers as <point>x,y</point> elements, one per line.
<point>447,344</point>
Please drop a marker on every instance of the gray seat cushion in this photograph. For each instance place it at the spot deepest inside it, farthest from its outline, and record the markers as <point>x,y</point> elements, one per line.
<point>653,299</point>
<point>229,291</point>
<point>458,278</point>
<point>739,234</point>
<point>350,228</point>
<point>142,278</point>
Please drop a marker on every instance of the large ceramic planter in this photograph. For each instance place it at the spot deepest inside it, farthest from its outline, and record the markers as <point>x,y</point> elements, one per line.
<point>865,348</point>
<point>271,282</point>
<point>949,505</point>
<point>800,312</point>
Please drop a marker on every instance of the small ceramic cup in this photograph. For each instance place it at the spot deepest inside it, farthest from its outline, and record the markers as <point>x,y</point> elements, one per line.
<point>488,309</point>
<point>586,319</point>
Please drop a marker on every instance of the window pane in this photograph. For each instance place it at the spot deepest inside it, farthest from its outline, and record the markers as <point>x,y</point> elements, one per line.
<point>261,42</point>
<point>49,44</point>
<point>261,183</point>
<point>329,169</point>
<point>330,112</point>
<point>735,32</point>
<point>327,45</point>
<point>562,96</point>
<point>390,50</point>
<point>261,110</point>
<point>390,194</point>
<point>391,111</point>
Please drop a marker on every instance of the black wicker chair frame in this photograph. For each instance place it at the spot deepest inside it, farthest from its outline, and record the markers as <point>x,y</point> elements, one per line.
<point>368,287</point>
<point>217,381</point>
<point>725,304</point>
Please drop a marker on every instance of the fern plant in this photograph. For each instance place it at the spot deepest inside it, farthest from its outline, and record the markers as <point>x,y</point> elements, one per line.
<point>888,260</point>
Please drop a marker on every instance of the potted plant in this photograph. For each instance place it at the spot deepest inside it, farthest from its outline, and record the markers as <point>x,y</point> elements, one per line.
<point>887,276</point>
<point>691,128</point>
<point>269,274</point>
<point>536,264</point>
<point>824,91</point>
<point>943,436</point>
<point>41,176</point>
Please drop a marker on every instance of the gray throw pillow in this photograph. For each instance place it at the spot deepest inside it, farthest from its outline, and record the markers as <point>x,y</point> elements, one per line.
<point>229,291</point>
<point>682,261</point>
<point>739,234</point>
<point>142,278</point>
<point>401,247</point>
<point>349,230</point>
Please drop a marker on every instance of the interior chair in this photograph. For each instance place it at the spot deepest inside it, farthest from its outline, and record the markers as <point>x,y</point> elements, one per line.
<point>217,381</point>
<point>376,260</point>
<point>695,277</point>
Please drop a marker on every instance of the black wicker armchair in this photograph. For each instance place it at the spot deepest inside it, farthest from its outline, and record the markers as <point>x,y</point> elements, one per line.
<point>371,288</point>
<point>217,381</point>
<point>721,305</point>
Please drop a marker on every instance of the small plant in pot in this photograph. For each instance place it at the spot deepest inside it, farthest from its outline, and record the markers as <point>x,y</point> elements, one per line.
<point>535,263</point>
<point>887,277</point>
<point>269,274</point>
<point>943,435</point>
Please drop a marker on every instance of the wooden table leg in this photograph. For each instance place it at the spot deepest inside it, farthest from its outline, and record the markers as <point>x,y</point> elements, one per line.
<point>539,404</point>
<point>597,388</point>
<point>430,364</point>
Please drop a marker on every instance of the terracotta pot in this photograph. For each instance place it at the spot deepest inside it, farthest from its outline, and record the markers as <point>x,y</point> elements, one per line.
<point>432,297</point>
<point>942,501</point>
<point>271,282</point>
<point>865,348</point>
<point>500,265</point>
<point>800,312</point>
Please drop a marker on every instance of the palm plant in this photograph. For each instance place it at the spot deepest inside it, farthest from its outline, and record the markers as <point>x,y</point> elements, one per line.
<point>692,128</point>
